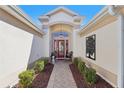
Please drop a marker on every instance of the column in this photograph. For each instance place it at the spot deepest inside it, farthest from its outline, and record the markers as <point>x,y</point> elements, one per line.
<point>120,79</point>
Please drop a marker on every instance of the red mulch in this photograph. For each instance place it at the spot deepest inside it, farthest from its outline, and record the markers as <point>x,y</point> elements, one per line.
<point>81,82</point>
<point>41,80</point>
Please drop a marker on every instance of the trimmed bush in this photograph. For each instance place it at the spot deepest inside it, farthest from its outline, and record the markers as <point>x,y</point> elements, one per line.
<point>90,75</point>
<point>76,61</point>
<point>45,61</point>
<point>39,66</point>
<point>26,78</point>
<point>81,67</point>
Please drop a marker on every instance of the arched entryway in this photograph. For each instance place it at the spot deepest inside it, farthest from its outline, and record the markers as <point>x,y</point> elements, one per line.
<point>61,39</point>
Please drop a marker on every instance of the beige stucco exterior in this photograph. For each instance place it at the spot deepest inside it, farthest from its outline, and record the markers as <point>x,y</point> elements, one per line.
<point>106,51</point>
<point>61,20</point>
<point>14,56</point>
<point>22,42</point>
<point>107,27</point>
<point>17,38</point>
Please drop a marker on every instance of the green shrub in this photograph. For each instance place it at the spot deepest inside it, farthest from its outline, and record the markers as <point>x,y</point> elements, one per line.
<point>81,67</point>
<point>76,60</point>
<point>26,78</point>
<point>85,70</point>
<point>90,75</point>
<point>45,61</point>
<point>39,66</point>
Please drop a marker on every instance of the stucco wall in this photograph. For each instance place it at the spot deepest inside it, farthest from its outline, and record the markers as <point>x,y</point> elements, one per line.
<point>46,40</point>
<point>15,46</point>
<point>19,42</point>
<point>60,16</point>
<point>77,44</point>
<point>37,50</point>
<point>106,50</point>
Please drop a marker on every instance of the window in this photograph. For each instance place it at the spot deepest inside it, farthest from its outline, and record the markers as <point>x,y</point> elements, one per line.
<point>57,34</point>
<point>91,47</point>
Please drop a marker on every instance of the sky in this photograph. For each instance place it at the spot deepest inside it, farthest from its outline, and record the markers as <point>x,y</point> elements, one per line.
<point>35,11</point>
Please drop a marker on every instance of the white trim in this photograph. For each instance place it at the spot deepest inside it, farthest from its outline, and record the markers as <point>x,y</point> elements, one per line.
<point>60,38</point>
<point>61,22</point>
<point>59,8</point>
<point>21,16</point>
<point>106,80</point>
<point>98,15</point>
<point>100,74</point>
<point>107,10</point>
<point>21,13</point>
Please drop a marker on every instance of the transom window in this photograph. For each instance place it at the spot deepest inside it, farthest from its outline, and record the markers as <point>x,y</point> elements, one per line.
<point>57,34</point>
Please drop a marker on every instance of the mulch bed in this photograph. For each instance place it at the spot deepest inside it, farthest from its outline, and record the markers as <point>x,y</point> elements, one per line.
<point>81,82</point>
<point>41,79</point>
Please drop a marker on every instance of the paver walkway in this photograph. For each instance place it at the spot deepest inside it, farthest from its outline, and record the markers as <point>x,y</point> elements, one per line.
<point>61,76</point>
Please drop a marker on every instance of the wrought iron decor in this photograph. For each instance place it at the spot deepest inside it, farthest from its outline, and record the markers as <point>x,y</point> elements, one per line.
<point>91,47</point>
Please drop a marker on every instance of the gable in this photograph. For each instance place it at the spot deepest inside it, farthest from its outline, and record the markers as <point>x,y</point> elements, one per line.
<point>61,11</point>
<point>61,17</point>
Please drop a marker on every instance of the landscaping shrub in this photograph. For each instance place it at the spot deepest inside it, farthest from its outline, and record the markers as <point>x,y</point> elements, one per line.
<point>85,70</point>
<point>90,75</point>
<point>26,78</point>
<point>81,67</point>
<point>76,61</point>
<point>39,66</point>
<point>45,61</point>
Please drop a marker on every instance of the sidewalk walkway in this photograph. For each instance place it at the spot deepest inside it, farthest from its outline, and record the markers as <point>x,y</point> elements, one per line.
<point>61,76</point>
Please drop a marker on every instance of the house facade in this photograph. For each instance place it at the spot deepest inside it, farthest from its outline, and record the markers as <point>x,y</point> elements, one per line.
<point>100,43</point>
<point>61,26</point>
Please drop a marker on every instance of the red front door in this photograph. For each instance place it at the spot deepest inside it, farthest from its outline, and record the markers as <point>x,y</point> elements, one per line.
<point>61,48</point>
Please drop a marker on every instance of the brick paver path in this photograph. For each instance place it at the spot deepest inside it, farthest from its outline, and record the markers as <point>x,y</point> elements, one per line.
<point>61,76</point>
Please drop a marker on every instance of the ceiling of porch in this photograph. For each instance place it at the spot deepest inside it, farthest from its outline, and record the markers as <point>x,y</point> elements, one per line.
<point>61,28</point>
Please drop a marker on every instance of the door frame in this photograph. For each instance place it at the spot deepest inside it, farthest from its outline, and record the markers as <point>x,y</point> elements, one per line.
<point>66,47</point>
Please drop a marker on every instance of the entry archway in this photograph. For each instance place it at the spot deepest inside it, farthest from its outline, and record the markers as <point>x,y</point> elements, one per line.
<point>61,39</point>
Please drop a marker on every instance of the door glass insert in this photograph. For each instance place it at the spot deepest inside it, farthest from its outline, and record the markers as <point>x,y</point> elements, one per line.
<point>61,48</point>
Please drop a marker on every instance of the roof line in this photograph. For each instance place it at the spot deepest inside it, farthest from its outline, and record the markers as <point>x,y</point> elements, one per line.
<point>20,13</point>
<point>25,16</point>
<point>105,9</point>
<point>61,7</point>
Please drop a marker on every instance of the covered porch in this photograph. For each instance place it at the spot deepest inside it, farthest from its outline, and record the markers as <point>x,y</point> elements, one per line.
<point>61,40</point>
